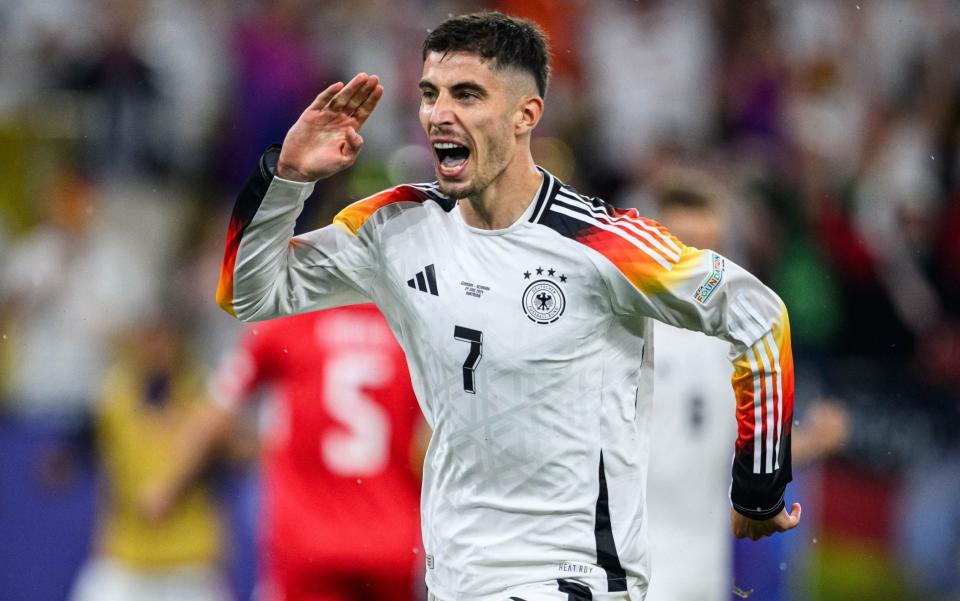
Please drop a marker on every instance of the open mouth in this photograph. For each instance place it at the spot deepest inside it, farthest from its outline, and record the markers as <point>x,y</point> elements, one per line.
<point>451,157</point>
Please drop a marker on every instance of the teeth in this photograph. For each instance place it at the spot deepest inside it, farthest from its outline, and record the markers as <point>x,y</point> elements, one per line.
<point>446,145</point>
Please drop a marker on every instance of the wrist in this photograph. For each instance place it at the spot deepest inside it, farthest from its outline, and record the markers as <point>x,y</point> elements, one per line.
<point>286,172</point>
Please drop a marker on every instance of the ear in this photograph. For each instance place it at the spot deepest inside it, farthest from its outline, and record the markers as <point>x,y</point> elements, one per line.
<point>528,114</point>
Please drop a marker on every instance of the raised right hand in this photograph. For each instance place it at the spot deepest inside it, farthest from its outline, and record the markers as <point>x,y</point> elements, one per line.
<point>325,139</point>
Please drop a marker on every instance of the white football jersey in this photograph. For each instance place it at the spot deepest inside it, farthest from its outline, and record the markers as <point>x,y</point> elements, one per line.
<point>692,434</point>
<point>530,352</point>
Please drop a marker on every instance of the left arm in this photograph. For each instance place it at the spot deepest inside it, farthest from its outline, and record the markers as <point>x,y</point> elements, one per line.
<point>701,290</point>
<point>210,428</point>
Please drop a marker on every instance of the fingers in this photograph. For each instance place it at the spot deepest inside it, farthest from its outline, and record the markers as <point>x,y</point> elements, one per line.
<point>793,518</point>
<point>744,527</point>
<point>364,110</point>
<point>344,96</point>
<point>325,96</point>
<point>362,94</point>
<point>781,523</point>
<point>354,141</point>
<point>356,99</point>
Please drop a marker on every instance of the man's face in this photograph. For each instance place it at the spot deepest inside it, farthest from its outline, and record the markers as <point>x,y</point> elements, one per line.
<point>694,226</point>
<point>469,112</point>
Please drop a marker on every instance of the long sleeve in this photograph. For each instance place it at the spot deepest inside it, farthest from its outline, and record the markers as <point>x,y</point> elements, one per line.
<point>267,272</point>
<point>659,277</point>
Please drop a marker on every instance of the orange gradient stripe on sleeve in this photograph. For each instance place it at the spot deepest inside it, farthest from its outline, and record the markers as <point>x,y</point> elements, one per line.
<point>763,386</point>
<point>225,285</point>
<point>642,269</point>
<point>354,216</point>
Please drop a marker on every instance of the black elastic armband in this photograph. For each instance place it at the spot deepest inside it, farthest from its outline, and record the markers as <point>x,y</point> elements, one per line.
<point>268,162</point>
<point>255,188</point>
<point>760,513</point>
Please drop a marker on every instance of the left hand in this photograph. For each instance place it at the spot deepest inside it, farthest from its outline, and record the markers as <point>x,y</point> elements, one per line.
<point>744,527</point>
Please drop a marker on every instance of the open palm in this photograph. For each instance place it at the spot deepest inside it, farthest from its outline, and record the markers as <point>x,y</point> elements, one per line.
<point>325,139</point>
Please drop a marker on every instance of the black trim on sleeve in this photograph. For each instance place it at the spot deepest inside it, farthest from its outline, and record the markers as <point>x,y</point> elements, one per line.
<point>269,160</point>
<point>255,188</point>
<point>762,514</point>
<point>760,496</point>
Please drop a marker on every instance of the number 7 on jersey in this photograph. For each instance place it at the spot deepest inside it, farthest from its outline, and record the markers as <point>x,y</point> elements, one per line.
<point>475,338</point>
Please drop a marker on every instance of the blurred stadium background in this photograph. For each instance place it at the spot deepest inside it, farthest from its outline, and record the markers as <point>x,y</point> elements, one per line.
<point>127,125</point>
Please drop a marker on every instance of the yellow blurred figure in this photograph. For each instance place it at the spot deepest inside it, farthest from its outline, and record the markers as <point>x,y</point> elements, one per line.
<point>148,395</point>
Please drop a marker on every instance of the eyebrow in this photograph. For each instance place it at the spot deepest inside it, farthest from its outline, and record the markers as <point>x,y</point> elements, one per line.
<point>460,86</point>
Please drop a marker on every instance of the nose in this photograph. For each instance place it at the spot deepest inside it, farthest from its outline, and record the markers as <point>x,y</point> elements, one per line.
<point>442,113</point>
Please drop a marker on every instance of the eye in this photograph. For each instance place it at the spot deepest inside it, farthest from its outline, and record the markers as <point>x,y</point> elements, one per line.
<point>468,96</point>
<point>427,95</point>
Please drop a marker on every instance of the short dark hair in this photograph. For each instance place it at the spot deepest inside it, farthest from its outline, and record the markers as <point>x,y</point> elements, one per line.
<point>688,188</point>
<point>509,41</point>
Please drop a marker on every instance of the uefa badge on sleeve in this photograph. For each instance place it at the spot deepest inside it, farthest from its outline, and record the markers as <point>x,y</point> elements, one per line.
<point>712,281</point>
<point>543,301</point>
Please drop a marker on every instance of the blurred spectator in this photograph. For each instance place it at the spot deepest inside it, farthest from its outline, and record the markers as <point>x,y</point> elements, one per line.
<point>893,212</point>
<point>693,427</point>
<point>648,63</point>
<point>358,37</point>
<point>34,38</point>
<point>149,395</point>
<point>276,71</point>
<point>754,79</point>
<point>143,83</point>
<point>68,286</point>
<point>343,455</point>
<point>122,130</point>
<point>929,535</point>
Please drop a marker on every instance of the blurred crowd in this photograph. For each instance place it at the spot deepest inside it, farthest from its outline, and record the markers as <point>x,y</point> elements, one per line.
<point>833,127</point>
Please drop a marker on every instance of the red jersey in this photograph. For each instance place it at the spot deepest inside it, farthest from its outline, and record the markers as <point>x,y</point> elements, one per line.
<point>342,492</point>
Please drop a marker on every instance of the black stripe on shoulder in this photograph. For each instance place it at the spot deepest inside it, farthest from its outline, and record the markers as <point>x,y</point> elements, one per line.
<point>432,190</point>
<point>607,557</point>
<point>569,195</point>
<point>255,188</point>
<point>555,214</point>
<point>572,214</point>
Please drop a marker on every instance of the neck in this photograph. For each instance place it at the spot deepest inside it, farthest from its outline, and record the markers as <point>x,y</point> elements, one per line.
<point>501,203</point>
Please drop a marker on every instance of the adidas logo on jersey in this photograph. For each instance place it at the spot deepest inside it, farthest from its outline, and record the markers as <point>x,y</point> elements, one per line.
<point>425,281</point>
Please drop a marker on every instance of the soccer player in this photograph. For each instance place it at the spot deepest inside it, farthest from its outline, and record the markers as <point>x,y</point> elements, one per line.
<point>525,310</point>
<point>342,474</point>
<point>692,426</point>
<point>150,395</point>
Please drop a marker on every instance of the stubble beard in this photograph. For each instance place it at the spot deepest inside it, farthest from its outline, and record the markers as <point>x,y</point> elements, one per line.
<point>496,160</point>
<point>459,192</point>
